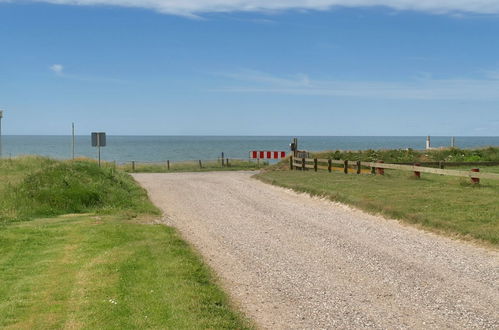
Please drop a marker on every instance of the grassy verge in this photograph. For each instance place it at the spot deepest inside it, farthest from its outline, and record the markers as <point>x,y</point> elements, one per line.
<point>193,166</point>
<point>411,155</point>
<point>440,203</point>
<point>109,268</point>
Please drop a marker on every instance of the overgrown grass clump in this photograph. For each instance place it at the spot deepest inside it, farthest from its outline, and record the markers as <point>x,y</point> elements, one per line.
<point>41,187</point>
<point>490,154</point>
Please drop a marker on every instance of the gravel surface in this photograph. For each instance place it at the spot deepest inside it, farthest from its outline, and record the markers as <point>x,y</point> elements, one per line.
<point>292,261</point>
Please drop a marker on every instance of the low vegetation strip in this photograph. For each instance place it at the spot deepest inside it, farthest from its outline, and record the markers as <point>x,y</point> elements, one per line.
<point>445,204</point>
<point>489,154</point>
<point>193,166</point>
<point>105,266</point>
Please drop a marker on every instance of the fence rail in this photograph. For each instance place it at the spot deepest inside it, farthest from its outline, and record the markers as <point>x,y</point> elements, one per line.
<point>378,167</point>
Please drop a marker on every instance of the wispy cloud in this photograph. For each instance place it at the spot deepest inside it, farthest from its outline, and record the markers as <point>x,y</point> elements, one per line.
<point>195,7</point>
<point>421,88</point>
<point>58,69</point>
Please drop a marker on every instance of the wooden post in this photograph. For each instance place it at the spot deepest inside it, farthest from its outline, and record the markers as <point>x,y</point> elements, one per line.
<point>381,171</point>
<point>417,174</point>
<point>475,180</point>
<point>345,167</point>
<point>133,166</point>
<point>315,164</point>
<point>329,165</point>
<point>168,165</point>
<point>358,167</point>
<point>291,163</point>
<point>441,165</point>
<point>227,162</point>
<point>200,164</point>
<point>303,164</point>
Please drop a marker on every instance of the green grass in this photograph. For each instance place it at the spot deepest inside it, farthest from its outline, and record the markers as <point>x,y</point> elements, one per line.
<point>107,268</point>
<point>34,187</point>
<point>411,155</point>
<point>105,273</point>
<point>440,203</point>
<point>193,166</point>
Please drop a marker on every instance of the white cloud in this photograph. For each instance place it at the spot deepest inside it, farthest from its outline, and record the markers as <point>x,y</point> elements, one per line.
<point>57,68</point>
<point>425,88</point>
<point>196,7</point>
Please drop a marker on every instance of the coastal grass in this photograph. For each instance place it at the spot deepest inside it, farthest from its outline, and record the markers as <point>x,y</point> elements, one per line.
<point>444,204</point>
<point>487,154</point>
<point>78,250</point>
<point>34,187</point>
<point>193,166</point>
<point>103,272</point>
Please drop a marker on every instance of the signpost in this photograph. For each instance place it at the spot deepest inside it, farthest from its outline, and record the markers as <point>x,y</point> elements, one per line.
<point>98,140</point>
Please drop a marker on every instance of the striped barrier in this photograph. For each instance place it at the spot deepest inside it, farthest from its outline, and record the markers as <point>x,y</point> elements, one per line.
<point>257,154</point>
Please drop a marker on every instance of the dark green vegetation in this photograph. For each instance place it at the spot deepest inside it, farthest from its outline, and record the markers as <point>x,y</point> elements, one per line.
<point>39,187</point>
<point>441,203</point>
<point>106,269</point>
<point>411,155</point>
<point>193,166</point>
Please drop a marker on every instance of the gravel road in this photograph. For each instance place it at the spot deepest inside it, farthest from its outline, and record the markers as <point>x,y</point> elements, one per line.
<point>292,261</point>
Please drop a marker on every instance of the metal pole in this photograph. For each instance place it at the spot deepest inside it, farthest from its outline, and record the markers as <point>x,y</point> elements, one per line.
<point>1,115</point>
<point>73,126</point>
<point>98,146</point>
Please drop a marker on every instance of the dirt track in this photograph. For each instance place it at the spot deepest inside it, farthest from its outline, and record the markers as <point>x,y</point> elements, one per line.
<point>292,261</point>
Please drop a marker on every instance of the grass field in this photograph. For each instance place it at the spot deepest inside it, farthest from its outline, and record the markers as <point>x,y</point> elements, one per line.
<point>440,203</point>
<point>193,166</point>
<point>109,268</point>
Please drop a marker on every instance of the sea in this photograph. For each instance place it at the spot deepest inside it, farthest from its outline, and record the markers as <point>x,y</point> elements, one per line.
<point>179,148</point>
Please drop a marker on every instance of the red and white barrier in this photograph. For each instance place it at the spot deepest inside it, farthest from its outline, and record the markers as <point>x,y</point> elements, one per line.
<point>256,154</point>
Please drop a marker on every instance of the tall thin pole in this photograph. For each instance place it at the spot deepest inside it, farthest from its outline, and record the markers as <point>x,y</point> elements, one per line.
<point>73,134</point>
<point>98,146</point>
<point>1,115</point>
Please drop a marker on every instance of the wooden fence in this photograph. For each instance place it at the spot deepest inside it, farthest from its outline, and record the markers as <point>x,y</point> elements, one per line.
<point>359,167</point>
<point>168,165</point>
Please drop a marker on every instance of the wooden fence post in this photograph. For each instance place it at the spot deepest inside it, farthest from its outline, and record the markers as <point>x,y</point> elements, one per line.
<point>345,167</point>
<point>291,163</point>
<point>133,166</point>
<point>475,180</point>
<point>416,173</point>
<point>303,164</point>
<point>200,164</point>
<point>168,165</point>
<point>381,171</point>
<point>358,167</point>
<point>441,165</point>
<point>329,165</point>
<point>315,164</point>
<point>227,162</point>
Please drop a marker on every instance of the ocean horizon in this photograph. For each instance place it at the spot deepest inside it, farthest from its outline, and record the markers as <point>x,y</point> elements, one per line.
<point>154,148</point>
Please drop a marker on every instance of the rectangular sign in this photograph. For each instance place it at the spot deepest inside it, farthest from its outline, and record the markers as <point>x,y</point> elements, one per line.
<point>98,139</point>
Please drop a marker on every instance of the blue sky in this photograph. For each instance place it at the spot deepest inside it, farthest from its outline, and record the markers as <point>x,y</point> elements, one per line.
<point>246,67</point>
